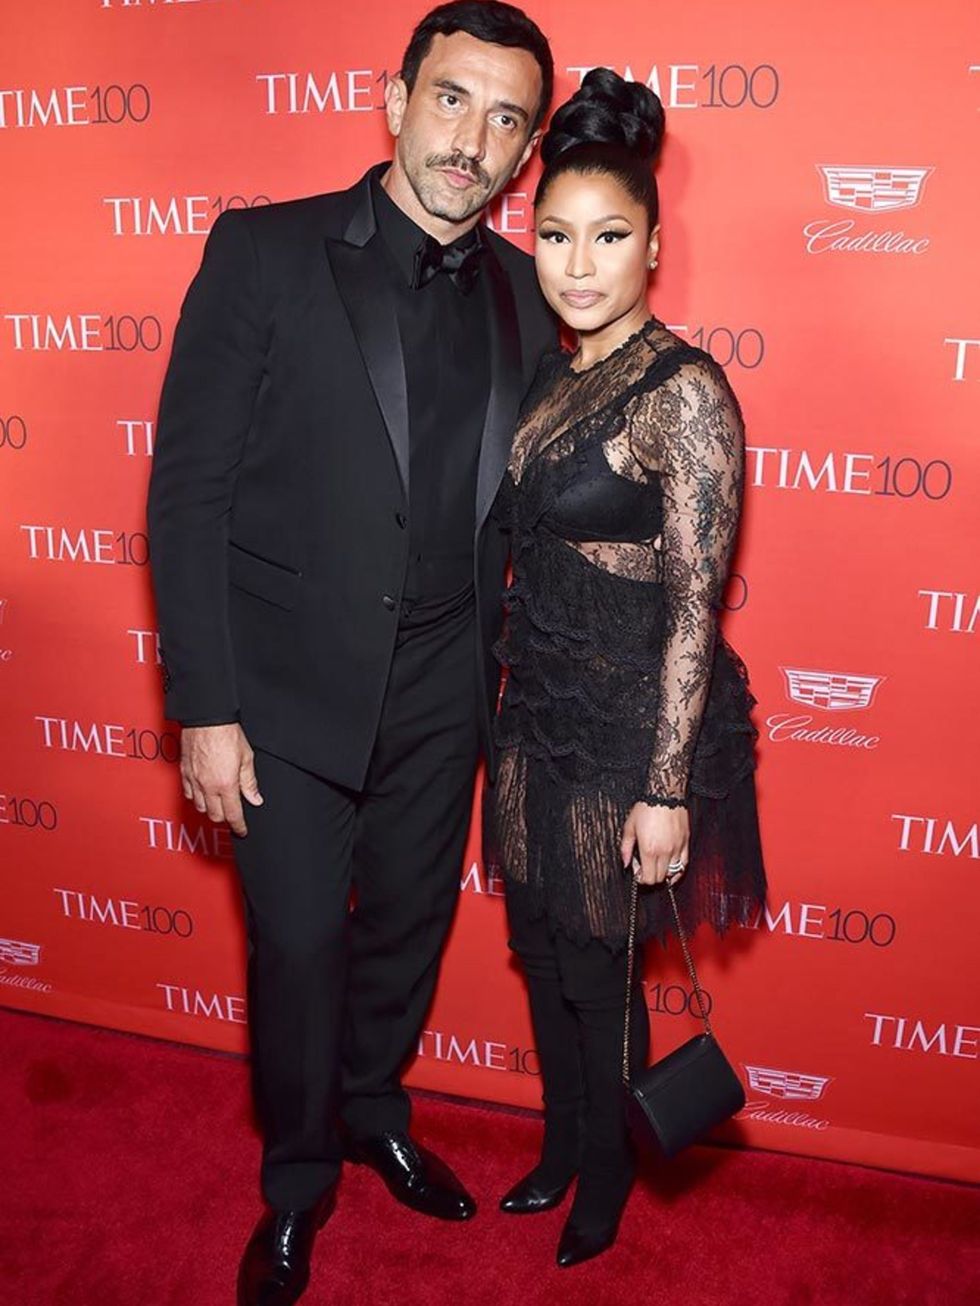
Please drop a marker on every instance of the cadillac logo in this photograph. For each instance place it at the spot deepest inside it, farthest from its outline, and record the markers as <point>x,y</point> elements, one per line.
<point>834,691</point>
<point>17,953</point>
<point>873,190</point>
<point>787,1084</point>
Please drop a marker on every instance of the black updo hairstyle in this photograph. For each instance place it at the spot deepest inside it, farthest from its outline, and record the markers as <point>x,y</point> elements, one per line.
<point>609,126</point>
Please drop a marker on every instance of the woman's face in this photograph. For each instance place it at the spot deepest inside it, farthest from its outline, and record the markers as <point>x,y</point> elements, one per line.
<point>592,250</point>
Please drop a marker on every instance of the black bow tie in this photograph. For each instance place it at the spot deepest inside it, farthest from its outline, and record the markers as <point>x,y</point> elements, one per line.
<point>461,264</point>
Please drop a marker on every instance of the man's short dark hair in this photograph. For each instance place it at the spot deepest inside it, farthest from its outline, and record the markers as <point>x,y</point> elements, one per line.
<point>487,20</point>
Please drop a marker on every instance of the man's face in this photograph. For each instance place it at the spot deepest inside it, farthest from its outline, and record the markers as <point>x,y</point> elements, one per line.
<point>462,133</point>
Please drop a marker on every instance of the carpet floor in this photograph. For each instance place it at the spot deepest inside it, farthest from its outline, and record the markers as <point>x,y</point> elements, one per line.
<point>129,1179</point>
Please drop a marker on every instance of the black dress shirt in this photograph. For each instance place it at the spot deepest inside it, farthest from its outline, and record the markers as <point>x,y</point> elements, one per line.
<point>447,370</point>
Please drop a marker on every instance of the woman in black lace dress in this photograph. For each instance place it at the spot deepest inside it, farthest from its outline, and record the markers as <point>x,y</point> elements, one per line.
<point>624,730</point>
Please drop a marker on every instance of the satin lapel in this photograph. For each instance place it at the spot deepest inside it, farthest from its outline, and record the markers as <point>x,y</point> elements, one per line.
<point>506,388</point>
<point>370,306</point>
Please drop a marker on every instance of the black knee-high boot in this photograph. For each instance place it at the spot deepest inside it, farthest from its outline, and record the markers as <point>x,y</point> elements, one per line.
<point>608,1167</point>
<point>556,1038</point>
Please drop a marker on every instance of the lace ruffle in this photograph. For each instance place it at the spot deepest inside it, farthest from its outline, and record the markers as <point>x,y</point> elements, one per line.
<point>620,684</point>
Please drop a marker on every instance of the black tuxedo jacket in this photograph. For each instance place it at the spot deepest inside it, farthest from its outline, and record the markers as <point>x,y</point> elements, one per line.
<point>278,500</point>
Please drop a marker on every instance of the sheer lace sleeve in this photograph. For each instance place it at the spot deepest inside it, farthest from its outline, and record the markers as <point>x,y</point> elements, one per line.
<point>690,429</point>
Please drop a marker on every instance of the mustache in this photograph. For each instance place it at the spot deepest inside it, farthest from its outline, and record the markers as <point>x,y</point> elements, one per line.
<point>459,163</point>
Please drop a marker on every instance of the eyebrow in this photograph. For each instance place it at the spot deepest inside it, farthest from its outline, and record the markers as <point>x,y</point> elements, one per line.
<point>610,217</point>
<point>445,84</point>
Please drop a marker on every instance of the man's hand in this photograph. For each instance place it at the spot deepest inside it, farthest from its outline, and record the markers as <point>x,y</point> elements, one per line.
<point>217,766</point>
<point>657,835</point>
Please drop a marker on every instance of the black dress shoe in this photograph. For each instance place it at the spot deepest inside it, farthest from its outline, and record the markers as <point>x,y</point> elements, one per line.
<point>275,1268</point>
<point>414,1175</point>
<point>527,1197</point>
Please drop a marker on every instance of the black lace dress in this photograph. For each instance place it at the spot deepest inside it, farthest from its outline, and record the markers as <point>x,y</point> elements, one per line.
<point>624,493</point>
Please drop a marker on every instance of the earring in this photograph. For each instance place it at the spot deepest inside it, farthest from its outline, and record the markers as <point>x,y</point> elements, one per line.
<point>652,264</point>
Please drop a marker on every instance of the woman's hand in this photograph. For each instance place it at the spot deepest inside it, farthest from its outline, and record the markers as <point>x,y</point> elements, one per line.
<point>657,836</point>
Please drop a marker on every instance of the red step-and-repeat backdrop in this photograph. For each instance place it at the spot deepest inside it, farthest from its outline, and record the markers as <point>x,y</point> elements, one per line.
<point>820,197</point>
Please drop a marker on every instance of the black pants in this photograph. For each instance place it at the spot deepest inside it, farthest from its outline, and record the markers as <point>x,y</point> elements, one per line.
<point>337,994</point>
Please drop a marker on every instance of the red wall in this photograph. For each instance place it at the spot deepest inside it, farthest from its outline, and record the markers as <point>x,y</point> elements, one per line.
<point>820,197</point>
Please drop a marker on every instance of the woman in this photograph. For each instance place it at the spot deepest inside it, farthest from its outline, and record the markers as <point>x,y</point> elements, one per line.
<point>624,729</point>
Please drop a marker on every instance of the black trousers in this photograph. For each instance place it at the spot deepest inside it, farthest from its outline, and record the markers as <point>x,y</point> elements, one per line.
<point>338,989</point>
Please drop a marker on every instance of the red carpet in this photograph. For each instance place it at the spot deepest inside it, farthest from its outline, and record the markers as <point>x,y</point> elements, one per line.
<point>129,1177</point>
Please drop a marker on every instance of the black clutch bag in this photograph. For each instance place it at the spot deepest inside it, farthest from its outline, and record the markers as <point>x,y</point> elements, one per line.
<point>672,1103</point>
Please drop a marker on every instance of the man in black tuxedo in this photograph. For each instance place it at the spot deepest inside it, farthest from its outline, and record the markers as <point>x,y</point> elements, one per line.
<point>334,427</point>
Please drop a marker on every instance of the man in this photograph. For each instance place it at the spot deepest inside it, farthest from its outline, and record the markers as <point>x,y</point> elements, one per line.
<point>334,426</point>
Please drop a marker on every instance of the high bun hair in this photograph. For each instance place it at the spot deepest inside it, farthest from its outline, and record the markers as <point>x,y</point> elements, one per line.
<point>609,126</point>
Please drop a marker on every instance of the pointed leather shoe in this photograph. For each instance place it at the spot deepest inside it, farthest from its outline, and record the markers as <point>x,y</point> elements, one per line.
<point>577,1244</point>
<point>527,1197</point>
<point>414,1175</point>
<point>593,1221</point>
<point>275,1268</point>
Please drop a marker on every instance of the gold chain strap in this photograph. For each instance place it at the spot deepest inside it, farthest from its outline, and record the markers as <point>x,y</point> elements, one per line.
<point>631,945</point>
